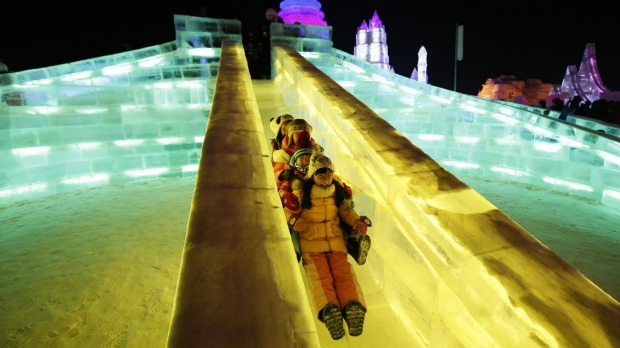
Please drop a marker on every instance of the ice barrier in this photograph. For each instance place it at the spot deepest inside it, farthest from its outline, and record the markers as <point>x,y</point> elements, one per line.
<point>239,283</point>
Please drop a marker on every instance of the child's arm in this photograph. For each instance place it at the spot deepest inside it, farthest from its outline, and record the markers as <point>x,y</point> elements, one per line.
<point>292,210</point>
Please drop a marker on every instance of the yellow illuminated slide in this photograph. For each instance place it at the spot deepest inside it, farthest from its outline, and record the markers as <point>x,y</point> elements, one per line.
<point>446,268</point>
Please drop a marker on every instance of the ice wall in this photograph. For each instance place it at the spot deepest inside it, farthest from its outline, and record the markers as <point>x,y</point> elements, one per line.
<point>475,136</point>
<point>131,116</point>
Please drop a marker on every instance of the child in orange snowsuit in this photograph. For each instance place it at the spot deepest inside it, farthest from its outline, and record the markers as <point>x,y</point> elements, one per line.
<point>324,202</point>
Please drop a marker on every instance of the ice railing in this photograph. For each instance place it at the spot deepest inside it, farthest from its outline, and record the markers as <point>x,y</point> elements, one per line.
<point>456,270</point>
<point>477,137</point>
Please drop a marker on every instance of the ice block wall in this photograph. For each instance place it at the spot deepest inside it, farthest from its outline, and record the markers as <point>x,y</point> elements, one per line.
<point>472,136</point>
<point>131,116</point>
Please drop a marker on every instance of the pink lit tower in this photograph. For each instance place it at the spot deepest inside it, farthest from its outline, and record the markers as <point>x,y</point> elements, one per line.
<point>371,43</point>
<point>305,12</point>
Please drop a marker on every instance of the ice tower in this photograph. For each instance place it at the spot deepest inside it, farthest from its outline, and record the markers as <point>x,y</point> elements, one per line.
<point>371,43</point>
<point>306,12</point>
<point>419,74</point>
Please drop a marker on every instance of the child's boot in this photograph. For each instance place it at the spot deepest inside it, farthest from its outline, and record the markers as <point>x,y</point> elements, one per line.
<point>354,314</point>
<point>332,317</point>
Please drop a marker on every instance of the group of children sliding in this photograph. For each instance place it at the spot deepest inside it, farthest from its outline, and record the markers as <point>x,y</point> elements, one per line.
<point>318,207</point>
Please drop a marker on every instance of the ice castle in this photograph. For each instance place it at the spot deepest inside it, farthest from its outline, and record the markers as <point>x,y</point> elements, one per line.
<point>447,269</point>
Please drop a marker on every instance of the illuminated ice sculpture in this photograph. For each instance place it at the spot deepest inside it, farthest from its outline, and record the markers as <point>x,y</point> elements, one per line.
<point>371,43</point>
<point>306,12</point>
<point>419,74</point>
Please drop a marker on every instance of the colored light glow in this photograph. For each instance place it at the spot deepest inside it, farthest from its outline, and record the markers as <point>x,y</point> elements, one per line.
<point>87,179</point>
<point>379,78</point>
<point>572,143</point>
<point>40,82</point>
<point>439,99</point>
<point>206,52</point>
<point>507,141</point>
<point>609,157</point>
<point>43,110</point>
<point>117,69</point>
<point>310,55</point>
<point>31,151</point>
<point>547,147</point>
<point>460,164</point>
<point>89,146</point>
<point>569,184</point>
<point>128,142</point>
<point>305,12</point>
<point>409,90</point>
<point>347,84</point>
<point>163,85</point>
<point>467,140</point>
<point>77,76</point>
<point>507,111</point>
<point>21,190</point>
<point>509,120</point>
<point>539,131</point>
<point>190,84</point>
<point>146,172</point>
<point>611,194</point>
<point>431,137</point>
<point>509,171</point>
<point>90,111</point>
<point>189,168</point>
<point>150,62</point>
<point>472,108</point>
<point>353,68</point>
<point>169,141</point>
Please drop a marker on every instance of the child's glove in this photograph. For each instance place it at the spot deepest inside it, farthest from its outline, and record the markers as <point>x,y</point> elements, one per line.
<point>362,224</point>
<point>297,224</point>
<point>290,201</point>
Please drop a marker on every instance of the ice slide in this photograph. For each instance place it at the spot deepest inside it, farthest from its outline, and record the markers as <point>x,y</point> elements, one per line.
<point>447,268</point>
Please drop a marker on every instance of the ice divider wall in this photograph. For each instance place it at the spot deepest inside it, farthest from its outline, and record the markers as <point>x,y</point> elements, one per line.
<point>239,283</point>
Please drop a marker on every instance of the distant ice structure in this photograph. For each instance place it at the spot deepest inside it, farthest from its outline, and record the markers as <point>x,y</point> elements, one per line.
<point>371,43</point>
<point>585,82</point>
<point>420,71</point>
<point>305,12</point>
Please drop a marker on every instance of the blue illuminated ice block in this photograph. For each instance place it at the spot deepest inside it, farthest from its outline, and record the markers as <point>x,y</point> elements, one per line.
<point>131,116</point>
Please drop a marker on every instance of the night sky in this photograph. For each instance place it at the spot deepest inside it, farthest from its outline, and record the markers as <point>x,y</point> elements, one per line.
<point>527,40</point>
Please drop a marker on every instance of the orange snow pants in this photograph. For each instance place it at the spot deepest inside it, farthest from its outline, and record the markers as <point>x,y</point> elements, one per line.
<point>331,279</point>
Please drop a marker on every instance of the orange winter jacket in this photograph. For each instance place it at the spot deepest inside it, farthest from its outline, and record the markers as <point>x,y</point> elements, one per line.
<point>323,232</point>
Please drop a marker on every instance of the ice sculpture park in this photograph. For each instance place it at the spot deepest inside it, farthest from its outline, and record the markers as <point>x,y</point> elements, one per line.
<point>447,269</point>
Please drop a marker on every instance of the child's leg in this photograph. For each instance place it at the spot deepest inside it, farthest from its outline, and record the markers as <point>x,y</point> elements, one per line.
<point>323,293</point>
<point>349,292</point>
<point>320,279</point>
<point>344,279</point>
